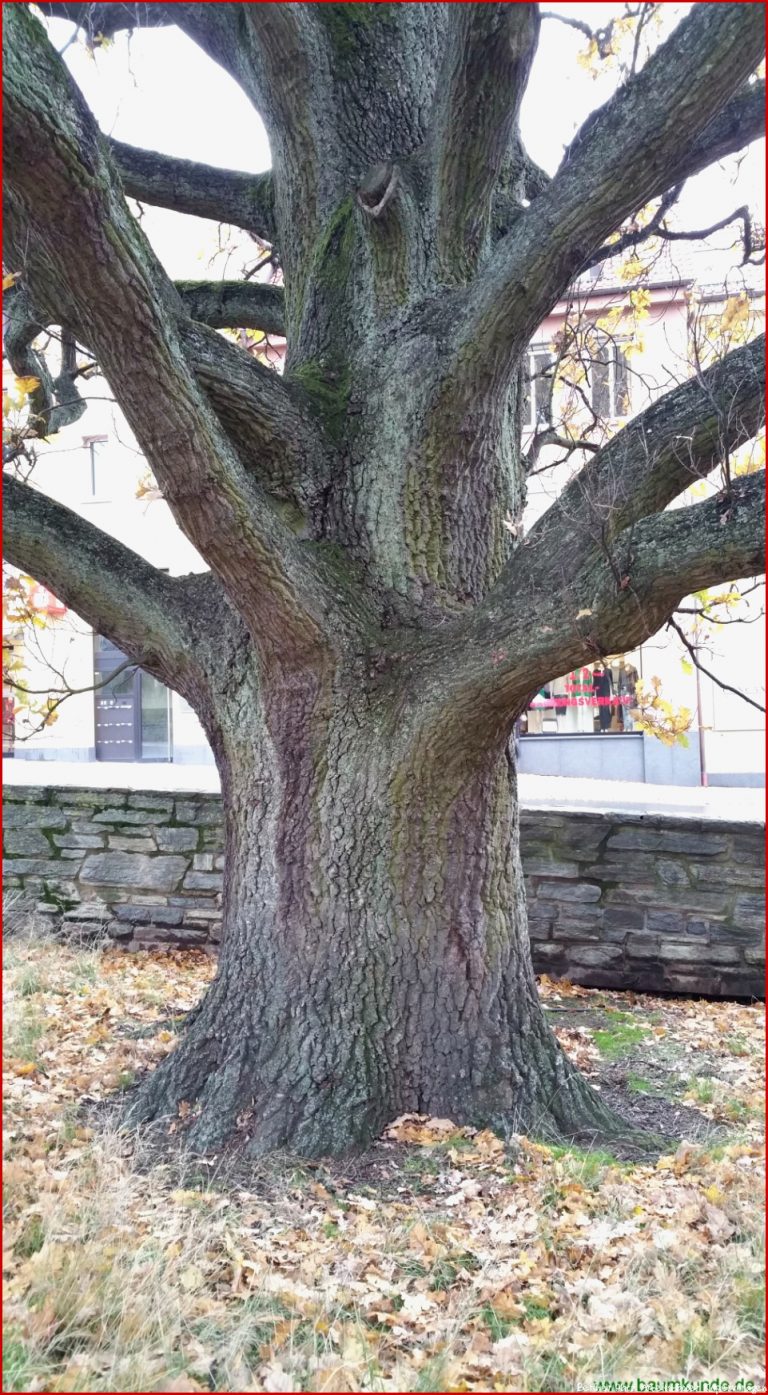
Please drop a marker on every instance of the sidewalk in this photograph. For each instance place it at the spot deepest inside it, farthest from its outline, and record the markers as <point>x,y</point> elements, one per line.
<point>536,791</point>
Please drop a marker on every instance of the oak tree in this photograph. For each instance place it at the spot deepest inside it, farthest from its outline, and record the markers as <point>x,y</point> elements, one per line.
<point>370,625</point>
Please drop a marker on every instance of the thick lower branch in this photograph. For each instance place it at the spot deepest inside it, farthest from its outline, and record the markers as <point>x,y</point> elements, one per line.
<point>228,196</point>
<point>140,609</point>
<point>234,304</point>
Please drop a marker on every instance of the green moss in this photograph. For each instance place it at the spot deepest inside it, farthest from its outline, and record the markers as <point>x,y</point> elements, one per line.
<point>336,246</point>
<point>346,24</point>
<point>328,389</point>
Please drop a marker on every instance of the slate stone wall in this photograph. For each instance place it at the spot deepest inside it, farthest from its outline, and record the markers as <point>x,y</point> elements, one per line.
<point>649,902</point>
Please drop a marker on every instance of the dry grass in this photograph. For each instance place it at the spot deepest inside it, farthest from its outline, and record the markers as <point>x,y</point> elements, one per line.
<point>445,1263</point>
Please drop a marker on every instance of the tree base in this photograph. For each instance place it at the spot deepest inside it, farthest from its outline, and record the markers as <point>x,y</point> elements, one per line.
<point>226,1106</point>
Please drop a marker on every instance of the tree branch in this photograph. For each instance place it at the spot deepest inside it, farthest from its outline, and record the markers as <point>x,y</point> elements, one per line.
<point>489,55</point>
<point>227,196</point>
<point>110,19</point>
<point>55,402</point>
<point>264,416</point>
<point>109,586</point>
<point>627,153</point>
<point>739,123</point>
<point>234,304</point>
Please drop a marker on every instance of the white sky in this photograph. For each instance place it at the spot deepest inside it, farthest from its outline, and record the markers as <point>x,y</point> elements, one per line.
<point>159,91</point>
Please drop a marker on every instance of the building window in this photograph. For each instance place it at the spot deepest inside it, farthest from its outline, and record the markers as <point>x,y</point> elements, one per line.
<point>609,381</point>
<point>537,388</point>
<point>133,711</point>
<point>97,470</point>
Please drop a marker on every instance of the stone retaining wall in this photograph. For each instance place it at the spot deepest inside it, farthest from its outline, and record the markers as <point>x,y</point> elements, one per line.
<point>649,902</point>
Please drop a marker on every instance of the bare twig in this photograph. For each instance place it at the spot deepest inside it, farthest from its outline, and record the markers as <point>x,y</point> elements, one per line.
<point>726,687</point>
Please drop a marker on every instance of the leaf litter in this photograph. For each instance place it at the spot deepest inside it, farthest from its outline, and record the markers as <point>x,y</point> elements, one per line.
<point>444,1258</point>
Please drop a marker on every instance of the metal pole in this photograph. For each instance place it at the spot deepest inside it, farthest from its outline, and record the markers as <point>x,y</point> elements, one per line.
<point>704,779</point>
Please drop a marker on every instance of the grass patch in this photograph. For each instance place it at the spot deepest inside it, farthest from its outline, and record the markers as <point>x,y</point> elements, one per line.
<point>639,1084</point>
<point>619,1039</point>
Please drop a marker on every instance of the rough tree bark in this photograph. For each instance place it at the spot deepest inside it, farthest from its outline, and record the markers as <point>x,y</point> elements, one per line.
<point>371,626</point>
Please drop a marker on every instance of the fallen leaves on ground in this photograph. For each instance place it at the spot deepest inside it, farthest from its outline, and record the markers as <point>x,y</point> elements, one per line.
<point>445,1259</point>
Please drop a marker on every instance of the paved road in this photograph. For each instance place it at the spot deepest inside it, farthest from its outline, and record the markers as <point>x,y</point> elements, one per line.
<point>536,791</point>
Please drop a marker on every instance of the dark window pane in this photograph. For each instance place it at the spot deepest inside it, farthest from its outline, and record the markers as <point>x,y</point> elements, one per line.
<point>601,389</point>
<point>154,719</point>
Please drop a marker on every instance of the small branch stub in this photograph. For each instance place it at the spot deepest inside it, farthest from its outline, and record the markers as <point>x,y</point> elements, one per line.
<point>378,188</point>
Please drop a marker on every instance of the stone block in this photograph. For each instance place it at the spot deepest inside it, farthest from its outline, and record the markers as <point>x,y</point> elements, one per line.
<point>708,984</point>
<point>623,918</point>
<point>119,843</point>
<point>201,815</point>
<point>569,891</point>
<point>203,862</point>
<point>89,910</point>
<point>599,955</point>
<point>547,950</point>
<point>160,803</point>
<point>25,794</point>
<point>666,839</point>
<point>78,840</point>
<point>93,798</point>
<point>680,951</point>
<point>35,867</point>
<point>159,873</point>
<point>666,922</point>
<point>207,916</point>
<point>537,929</point>
<point>189,900</point>
<point>139,816</point>
<point>203,881</point>
<point>722,954</point>
<point>167,934</point>
<point>597,978</point>
<point>749,911</point>
<point>547,867</point>
<point>176,839</point>
<point>754,954</point>
<point>568,930</point>
<point>219,863</point>
<point>643,946</point>
<point>33,816</point>
<point>72,855</point>
<point>25,840</point>
<point>117,930</point>
<point>155,915</point>
<point>672,873</point>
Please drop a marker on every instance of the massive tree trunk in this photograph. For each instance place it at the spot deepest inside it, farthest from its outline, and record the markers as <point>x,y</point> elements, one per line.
<point>374,619</point>
<point>375,957</point>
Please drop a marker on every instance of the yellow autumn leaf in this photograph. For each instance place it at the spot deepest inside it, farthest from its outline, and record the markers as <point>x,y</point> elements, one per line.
<point>26,385</point>
<point>10,280</point>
